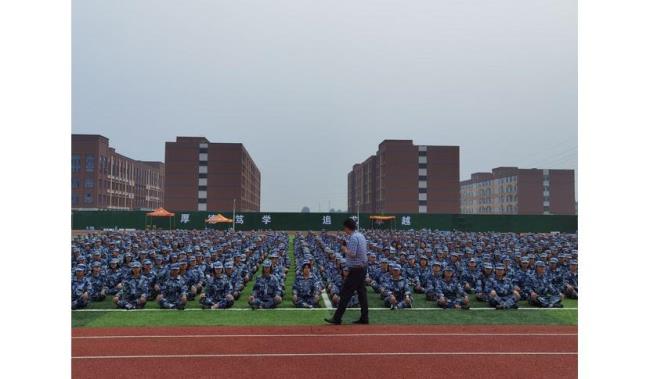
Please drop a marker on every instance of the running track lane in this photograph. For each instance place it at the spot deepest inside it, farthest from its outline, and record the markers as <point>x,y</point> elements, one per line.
<point>367,351</point>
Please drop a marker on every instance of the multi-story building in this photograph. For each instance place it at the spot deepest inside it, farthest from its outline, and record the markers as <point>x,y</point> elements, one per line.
<point>105,179</point>
<point>200,175</point>
<point>406,178</point>
<point>511,190</point>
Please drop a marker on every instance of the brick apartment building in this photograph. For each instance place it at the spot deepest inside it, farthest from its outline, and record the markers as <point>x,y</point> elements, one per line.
<point>105,179</point>
<point>512,190</point>
<point>200,175</point>
<point>406,178</point>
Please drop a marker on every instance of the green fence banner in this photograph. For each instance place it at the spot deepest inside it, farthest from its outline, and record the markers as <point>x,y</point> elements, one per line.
<point>326,221</point>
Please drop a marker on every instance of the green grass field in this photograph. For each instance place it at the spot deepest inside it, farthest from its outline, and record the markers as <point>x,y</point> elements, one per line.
<point>102,314</point>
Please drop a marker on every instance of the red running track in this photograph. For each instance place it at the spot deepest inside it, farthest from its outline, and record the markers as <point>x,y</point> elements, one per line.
<point>372,351</point>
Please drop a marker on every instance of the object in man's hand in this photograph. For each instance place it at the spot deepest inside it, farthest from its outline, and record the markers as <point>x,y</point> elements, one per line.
<point>344,242</point>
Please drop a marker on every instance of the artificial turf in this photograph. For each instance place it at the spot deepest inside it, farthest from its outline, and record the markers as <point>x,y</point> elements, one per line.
<point>566,316</point>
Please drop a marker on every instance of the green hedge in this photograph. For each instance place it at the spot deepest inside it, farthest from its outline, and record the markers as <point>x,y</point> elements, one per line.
<point>327,221</point>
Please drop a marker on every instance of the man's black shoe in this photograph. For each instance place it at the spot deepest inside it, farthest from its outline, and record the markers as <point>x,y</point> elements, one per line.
<point>360,321</point>
<point>332,321</point>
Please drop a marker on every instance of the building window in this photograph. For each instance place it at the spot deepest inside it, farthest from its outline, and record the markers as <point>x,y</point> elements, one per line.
<point>89,183</point>
<point>75,199</point>
<point>75,183</point>
<point>90,163</point>
<point>76,163</point>
<point>88,198</point>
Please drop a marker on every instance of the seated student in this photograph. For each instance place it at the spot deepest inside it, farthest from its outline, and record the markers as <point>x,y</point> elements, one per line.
<point>502,294</point>
<point>470,276</point>
<point>97,282</point>
<point>134,290</point>
<point>430,283</point>
<point>570,280</point>
<point>520,276</point>
<point>381,276</point>
<point>113,277</point>
<point>81,288</point>
<point>305,288</point>
<point>423,273</point>
<point>449,292</point>
<point>335,292</point>
<point>482,282</point>
<point>198,277</point>
<point>411,272</point>
<point>189,277</point>
<point>541,292</point>
<point>218,290</point>
<point>266,293</point>
<point>373,267</point>
<point>398,292</point>
<point>173,291</point>
<point>152,279</point>
<point>235,279</point>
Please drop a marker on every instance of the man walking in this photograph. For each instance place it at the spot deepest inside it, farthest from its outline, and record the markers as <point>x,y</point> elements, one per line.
<point>355,250</point>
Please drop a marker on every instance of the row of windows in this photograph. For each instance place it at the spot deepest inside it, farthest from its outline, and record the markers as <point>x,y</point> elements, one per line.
<point>88,183</point>
<point>76,162</point>
<point>87,198</point>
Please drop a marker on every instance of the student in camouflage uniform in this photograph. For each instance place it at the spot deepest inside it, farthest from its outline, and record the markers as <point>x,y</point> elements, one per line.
<point>97,281</point>
<point>398,292</point>
<point>540,289</point>
<point>235,279</point>
<point>570,280</point>
<point>134,292</point>
<point>502,294</point>
<point>449,292</point>
<point>173,292</point>
<point>81,288</point>
<point>113,277</point>
<point>266,293</point>
<point>306,291</point>
<point>218,290</point>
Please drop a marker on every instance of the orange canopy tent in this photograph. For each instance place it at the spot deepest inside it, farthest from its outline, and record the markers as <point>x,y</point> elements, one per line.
<point>160,212</point>
<point>379,219</point>
<point>218,219</point>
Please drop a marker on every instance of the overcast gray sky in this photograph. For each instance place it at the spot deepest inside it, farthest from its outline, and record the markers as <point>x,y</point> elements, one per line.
<point>312,87</point>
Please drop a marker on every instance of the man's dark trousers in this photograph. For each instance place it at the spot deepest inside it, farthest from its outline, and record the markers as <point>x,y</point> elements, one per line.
<point>356,281</point>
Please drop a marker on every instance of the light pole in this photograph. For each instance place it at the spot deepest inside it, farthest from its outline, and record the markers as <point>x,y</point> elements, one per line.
<point>358,218</point>
<point>233,214</point>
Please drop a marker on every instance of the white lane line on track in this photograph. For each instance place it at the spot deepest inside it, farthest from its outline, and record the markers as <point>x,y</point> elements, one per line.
<point>277,355</point>
<point>317,309</point>
<point>334,335</point>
